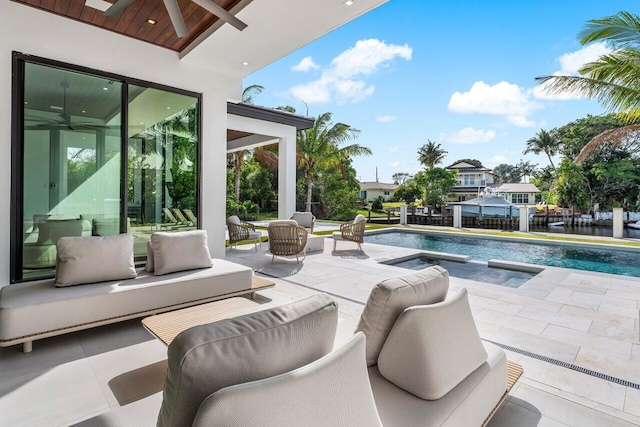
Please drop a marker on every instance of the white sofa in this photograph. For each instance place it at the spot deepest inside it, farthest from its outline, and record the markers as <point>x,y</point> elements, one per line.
<point>259,369</point>
<point>35,310</point>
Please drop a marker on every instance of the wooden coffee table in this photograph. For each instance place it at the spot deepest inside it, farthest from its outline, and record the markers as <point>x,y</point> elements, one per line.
<point>167,326</point>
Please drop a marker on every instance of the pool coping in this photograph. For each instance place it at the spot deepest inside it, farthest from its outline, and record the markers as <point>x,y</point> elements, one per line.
<point>530,240</point>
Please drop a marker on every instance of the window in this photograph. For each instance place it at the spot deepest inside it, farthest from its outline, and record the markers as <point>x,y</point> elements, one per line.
<point>362,194</point>
<point>77,171</point>
<point>386,193</point>
<point>468,179</point>
<point>520,198</point>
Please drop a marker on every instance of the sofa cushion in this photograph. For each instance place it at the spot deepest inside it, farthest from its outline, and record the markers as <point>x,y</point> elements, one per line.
<point>150,262</point>
<point>468,404</point>
<point>51,230</point>
<point>332,391</point>
<point>432,348</point>
<point>35,307</point>
<point>184,250</point>
<point>390,298</point>
<point>207,358</point>
<point>94,259</point>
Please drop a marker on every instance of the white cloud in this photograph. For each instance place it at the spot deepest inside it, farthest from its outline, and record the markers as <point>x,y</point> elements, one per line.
<point>306,64</point>
<point>520,121</point>
<point>394,165</point>
<point>570,63</point>
<point>467,135</point>
<point>496,160</point>
<point>502,99</point>
<point>393,149</point>
<point>343,80</point>
<point>385,119</point>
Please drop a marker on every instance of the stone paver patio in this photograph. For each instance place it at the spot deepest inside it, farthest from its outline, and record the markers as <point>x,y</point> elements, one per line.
<point>110,375</point>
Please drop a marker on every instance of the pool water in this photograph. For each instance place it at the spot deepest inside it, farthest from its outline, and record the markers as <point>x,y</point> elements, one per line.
<point>619,261</point>
<point>476,271</point>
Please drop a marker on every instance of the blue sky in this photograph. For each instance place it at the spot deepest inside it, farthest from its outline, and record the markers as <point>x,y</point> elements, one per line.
<point>458,73</point>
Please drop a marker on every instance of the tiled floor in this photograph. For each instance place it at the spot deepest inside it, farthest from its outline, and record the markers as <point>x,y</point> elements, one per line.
<point>114,375</point>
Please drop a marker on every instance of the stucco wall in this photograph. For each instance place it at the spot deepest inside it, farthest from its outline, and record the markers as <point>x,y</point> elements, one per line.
<point>30,31</point>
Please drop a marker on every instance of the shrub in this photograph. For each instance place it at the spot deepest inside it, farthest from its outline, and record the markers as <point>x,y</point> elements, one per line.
<point>376,205</point>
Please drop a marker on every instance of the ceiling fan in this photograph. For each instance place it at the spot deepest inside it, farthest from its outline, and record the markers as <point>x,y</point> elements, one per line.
<point>173,10</point>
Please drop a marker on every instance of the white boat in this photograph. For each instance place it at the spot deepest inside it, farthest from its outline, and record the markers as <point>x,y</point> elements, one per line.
<point>634,225</point>
<point>491,207</point>
<point>557,223</point>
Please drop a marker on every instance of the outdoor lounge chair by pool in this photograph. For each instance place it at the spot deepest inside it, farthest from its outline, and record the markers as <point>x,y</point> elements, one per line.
<point>191,216</point>
<point>286,238</point>
<point>304,219</point>
<point>181,218</point>
<point>242,232</point>
<point>351,231</point>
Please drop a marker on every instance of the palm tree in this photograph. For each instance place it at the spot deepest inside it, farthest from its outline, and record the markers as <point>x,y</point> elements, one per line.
<point>235,160</point>
<point>319,145</point>
<point>250,92</point>
<point>526,169</point>
<point>430,154</point>
<point>612,79</point>
<point>542,142</point>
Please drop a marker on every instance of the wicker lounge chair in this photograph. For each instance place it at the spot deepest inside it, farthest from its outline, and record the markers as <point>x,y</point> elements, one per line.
<point>352,231</point>
<point>286,238</point>
<point>304,219</point>
<point>242,232</point>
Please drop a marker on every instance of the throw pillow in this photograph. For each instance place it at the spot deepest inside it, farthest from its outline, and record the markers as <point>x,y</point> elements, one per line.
<point>433,348</point>
<point>184,250</point>
<point>390,298</point>
<point>93,259</point>
<point>149,266</point>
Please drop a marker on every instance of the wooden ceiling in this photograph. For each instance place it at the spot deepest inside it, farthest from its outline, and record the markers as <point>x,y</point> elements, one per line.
<point>236,134</point>
<point>133,21</point>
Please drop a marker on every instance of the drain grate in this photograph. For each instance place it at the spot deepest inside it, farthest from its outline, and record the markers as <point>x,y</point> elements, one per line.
<point>567,365</point>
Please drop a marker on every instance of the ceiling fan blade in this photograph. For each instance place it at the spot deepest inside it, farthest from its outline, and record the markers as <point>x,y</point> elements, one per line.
<point>117,7</point>
<point>221,13</point>
<point>176,17</point>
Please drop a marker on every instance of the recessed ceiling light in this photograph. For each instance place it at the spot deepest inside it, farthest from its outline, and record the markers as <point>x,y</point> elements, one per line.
<point>55,107</point>
<point>25,102</point>
<point>141,123</point>
<point>168,108</point>
<point>105,88</point>
<point>84,111</point>
<point>151,21</point>
<point>348,2</point>
<point>245,63</point>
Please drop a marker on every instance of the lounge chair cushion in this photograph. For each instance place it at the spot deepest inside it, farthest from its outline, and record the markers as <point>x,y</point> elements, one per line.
<point>432,348</point>
<point>304,219</point>
<point>233,219</point>
<point>91,259</point>
<point>359,218</point>
<point>207,358</point>
<point>51,230</point>
<point>185,250</point>
<point>390,298</point>
<point>332,391</point>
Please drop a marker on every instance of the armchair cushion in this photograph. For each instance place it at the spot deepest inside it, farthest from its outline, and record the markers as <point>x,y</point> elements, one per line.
<point>233,219</point>
<point>91,259</point>
<point>304,219</point>
<point>390,298</point>
<point>207,358</point>
<point>332,391</point>
<point>432,348</point>
<point>359,218</point>
<point>184,250</point>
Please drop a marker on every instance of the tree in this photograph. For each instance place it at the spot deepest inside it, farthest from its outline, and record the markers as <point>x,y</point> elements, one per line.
<point>251,92</point>
<point>612,79</point>
<point>474,162</point>
<point>575,135</point>
<point>235,160</point>
<point>543,142</point>
<point>319,146</point>
<point>437,182</point>
<point>571,188</point>
<point>408,192</point>
<point>400,178</point>
<point>526,169</point>
<point>430,154</point>
<point>506,173</point>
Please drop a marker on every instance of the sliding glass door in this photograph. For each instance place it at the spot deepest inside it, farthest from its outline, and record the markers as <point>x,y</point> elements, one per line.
<point>79,172</point>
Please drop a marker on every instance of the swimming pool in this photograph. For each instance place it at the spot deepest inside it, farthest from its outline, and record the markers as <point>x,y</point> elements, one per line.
<point>619,261</point>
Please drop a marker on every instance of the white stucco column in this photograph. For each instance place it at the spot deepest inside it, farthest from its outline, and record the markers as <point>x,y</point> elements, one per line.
<point>457,216</point>
<point>618,223</point>
<point>403,215</point>
<point>287,174</point>
<point>524,219</point>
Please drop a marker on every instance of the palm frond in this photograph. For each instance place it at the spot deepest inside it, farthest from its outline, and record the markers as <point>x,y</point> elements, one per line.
<point>622,138</point>
<point>622,29</point>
